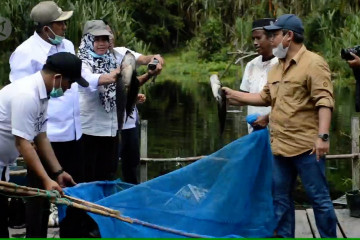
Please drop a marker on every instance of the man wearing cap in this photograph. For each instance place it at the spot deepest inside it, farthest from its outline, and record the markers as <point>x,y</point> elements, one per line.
<point>23,114</point>
<point>255,75</point>
<point>300,92</point>
<point>63,125</point>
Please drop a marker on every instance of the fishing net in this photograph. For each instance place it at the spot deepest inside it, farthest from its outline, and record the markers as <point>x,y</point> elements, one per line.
<point>226,194</point>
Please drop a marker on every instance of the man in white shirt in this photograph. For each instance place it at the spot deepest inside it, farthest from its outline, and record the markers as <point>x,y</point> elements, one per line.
<point>255,75</point>
<point>23,115</point>
<point>63,125</point>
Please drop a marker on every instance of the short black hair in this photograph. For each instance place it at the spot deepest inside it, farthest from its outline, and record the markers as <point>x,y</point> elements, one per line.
<point>298,38</point>
<point>39,27</point>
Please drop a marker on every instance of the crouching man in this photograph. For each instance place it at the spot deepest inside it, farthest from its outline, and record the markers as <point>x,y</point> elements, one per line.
<point>23,108</point>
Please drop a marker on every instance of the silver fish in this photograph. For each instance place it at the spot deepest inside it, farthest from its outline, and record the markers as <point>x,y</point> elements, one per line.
<point>220,97</point>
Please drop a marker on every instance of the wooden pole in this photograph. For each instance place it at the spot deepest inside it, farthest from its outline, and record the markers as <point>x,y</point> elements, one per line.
<point>355,150</point>
<point>143,150</point>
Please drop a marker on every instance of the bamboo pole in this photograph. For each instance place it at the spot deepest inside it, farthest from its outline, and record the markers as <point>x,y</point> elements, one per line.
<point>143,150</point>
<point>55,198</point>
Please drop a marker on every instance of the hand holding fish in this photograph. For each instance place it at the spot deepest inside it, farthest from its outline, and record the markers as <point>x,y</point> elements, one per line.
<point>108,78</point>
<point>141,98</point>
<point>232,96</point>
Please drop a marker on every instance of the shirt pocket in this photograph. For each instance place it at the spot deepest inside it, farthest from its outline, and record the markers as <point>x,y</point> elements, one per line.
<point>274,88</point>
<point>293,90</point>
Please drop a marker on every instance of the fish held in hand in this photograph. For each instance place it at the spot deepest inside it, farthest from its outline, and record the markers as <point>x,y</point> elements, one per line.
<point>220,97</point>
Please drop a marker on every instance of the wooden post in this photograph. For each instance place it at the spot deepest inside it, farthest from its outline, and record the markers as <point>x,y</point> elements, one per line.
<point>355,149</point>
<point>143,150</point>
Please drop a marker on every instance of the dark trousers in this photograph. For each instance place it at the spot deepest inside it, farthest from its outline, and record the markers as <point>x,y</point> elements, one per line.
<point>4,211</point>
<point>101,156</point>
<point>130,154</point>
<point>70,156</point>
<point>37,210</point>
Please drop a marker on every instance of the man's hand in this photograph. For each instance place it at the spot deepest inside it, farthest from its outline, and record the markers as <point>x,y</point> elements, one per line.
<point>355,63</point>
<point>321,148</point>
<point>261,121</point>
<point>231,96</point>
<point>159,58</point>
<point>50,184</point>
<point>141,98</point>
<point>64,180</point>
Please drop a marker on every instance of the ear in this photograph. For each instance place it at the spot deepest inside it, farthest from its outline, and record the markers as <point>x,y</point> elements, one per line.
<point>291,35</point>
<point>57,76</point>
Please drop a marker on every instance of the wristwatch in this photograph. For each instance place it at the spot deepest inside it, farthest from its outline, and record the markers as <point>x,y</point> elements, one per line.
<point>324,137</point>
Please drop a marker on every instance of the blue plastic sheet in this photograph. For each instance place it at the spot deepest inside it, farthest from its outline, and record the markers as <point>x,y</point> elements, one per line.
<point>226,194</point>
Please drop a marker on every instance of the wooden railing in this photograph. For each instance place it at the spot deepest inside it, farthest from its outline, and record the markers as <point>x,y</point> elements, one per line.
<point>354,156</point>
<point>144,160</point>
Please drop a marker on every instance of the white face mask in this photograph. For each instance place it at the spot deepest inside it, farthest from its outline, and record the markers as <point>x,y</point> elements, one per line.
<point>280,52</point>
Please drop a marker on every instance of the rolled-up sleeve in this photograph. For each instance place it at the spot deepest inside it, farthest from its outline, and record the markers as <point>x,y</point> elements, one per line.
<point>92,78</point>
<point>320,85</point>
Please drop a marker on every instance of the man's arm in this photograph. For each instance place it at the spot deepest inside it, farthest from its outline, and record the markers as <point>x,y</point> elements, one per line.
<point>242,98</point>
<point>46,152</point>
<point>321,146</point>
<point>33,162</point>
<point>146,59</point>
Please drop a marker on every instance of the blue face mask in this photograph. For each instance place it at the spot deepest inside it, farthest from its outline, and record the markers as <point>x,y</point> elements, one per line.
<point>56,92</point>
<point>57,40</point>
<point>95,55</point>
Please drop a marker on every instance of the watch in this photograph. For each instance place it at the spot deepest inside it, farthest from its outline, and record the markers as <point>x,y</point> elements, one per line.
<point>324,137</point>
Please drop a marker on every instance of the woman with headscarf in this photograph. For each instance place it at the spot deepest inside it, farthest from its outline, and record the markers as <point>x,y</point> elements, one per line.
<point>98,111</point>
<point>97,103</point>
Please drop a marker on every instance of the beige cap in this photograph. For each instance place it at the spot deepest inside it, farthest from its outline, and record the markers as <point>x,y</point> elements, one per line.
<point>47,12</point>
<point>96,28</point>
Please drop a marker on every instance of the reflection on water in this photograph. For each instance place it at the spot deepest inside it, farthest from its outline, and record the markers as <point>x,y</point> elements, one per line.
<point>182,122</point>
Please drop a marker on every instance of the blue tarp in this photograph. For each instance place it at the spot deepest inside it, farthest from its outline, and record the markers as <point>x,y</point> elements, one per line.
<point>225,194</point>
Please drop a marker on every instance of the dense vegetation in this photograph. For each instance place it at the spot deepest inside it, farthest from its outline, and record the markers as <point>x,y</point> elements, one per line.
<point>201,29</point>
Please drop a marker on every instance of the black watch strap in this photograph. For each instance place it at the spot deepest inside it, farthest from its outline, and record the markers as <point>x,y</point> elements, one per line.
<point>57,173</point>
<point>325,137</point>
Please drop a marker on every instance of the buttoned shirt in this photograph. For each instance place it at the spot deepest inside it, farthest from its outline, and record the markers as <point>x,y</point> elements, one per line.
<point>95,121</point>
<point>64,113</point>
<point>254,80</point>
<point>295,94</point>
<point>23,113</point>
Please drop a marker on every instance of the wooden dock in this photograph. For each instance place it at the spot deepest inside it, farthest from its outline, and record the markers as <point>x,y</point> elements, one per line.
<point>348,227</point>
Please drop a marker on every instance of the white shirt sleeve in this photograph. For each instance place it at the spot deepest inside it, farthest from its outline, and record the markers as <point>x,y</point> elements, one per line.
<point>24,114</point>
<point>21,66</point>
<point>245,84</point>
<point>92,78</point>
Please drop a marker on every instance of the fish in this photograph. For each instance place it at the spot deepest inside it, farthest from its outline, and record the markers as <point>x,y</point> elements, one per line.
<point>132,93</point>
<point>127,85</point>
<point>220,97</point>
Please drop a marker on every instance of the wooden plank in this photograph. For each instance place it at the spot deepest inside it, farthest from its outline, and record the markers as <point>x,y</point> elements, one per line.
<point>302,227</point>
<point>350,225</point>
<point>311,217</point>
<point>143,149</point>
<point>355,149</point>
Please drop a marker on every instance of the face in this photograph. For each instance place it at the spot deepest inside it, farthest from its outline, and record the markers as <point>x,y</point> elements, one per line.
<point>261,43</point>
<point>62,82</point>
<point>101,44</point>
<point>59,28</point>
<point>111,38</point>
<point>279,37</point>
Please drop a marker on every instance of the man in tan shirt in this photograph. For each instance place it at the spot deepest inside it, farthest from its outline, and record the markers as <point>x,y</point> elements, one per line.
<point>300,92</point>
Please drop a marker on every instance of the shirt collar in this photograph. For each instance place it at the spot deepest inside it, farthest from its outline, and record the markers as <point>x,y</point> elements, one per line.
<point>46,46</point>
<point>299,54</point>
<point>41,85</point>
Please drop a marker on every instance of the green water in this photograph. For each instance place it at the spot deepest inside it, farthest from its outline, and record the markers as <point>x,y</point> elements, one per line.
<point>182,122</point>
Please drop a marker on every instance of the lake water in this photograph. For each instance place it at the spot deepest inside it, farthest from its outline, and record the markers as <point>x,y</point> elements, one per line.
<point>182,122</point>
